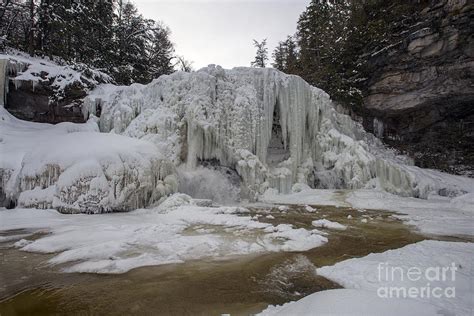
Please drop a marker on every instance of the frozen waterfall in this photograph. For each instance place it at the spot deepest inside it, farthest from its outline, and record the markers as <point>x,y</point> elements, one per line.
<point>273,129</point>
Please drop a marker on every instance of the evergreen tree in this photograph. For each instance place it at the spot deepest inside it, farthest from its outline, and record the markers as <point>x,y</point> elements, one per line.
<point>291,57</point>
<point>108,34</point>
<point>285,56</point>
<point>322,30</point>
<point>279,56</point>
<point>159,51</point>
<point>261,56</point>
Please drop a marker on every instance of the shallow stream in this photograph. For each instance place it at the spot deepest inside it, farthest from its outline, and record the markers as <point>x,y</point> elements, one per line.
<point>239,286</point>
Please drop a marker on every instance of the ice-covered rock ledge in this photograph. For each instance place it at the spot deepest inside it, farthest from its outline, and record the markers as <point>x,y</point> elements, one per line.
<point>75,169</point>
<point>46,90</point>
<point>274,129</point>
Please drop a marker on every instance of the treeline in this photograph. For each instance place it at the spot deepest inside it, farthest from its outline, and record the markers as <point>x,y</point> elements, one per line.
<point>110,35</point>
<point>335,40</point>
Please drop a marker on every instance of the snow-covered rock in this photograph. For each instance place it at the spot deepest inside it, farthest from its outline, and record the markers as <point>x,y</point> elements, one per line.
<point>274,129</point>
<point>74,168</point>
<point>44,89</point>
<point>324,223</point>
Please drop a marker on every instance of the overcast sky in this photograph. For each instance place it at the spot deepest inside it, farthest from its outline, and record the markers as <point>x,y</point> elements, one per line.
<point>221,31</point>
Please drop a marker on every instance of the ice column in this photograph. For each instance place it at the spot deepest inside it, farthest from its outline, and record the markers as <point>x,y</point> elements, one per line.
<point>3,81</point>
<point>378,128</point>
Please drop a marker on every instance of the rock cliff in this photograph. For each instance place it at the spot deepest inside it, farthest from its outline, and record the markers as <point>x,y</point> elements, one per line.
<point>420,92</point>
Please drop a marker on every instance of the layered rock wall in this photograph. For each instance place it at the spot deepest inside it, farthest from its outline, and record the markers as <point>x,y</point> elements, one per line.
<point>421,88</point>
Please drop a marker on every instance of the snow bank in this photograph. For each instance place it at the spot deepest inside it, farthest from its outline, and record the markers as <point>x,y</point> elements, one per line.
<point>350,302</point>
<point>274,129</point>
<point>177,230</point>
<point>363,278</point>
<point>74,168</point>
<point>464,202</point>
<point>435,216</point>
<point>369,274</point>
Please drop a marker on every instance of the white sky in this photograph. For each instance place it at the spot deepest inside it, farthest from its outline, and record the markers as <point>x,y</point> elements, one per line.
<point>221,31</point>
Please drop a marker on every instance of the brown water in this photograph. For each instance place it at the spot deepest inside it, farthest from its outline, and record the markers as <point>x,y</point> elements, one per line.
<point>238,286</point>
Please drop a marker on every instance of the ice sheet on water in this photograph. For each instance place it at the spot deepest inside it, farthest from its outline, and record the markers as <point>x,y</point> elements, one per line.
<point>176,231</point>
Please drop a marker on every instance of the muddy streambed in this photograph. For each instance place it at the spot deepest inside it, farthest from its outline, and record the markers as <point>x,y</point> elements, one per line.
<point>239,286</point>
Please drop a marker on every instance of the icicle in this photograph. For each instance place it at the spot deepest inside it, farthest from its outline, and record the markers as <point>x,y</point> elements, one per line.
<point>378,128</point>
<point>3,81</point>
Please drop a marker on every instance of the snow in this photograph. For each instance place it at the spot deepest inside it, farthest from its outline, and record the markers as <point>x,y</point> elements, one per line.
<point>367,286</point>
<point>310,209</point>
<point>324,223</point>
<point>429,255</point>
<point>305,197</point>
<point>228,116</point>
<point>24,68</point>
<point>176,231</point>
<point>433,216</point>
<point>464,202</point>
<point>74,168</point>
<point>350,302</point>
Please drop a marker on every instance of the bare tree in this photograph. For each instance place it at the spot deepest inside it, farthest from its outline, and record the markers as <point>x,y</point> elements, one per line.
<point>183,64</point>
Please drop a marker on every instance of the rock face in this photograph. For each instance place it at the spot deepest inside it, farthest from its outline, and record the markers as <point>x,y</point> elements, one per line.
<point>42,91</point>
<point>422,90</point>
<point>32,102</point>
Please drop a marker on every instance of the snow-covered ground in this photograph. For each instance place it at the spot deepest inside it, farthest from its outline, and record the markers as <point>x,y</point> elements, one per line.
<point>426,278</point>
<point>435,215</point>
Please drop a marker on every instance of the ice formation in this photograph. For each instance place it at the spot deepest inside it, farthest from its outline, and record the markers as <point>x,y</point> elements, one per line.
<point>74,168</point>
<point>3,81</point>
<point>178,230</point>
<point>324,223</point>
<point>274,130</point>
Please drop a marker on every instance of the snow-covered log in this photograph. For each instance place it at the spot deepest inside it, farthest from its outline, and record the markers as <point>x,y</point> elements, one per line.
<point>274,129</point>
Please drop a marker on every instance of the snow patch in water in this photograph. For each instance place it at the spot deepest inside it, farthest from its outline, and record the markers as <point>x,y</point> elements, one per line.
<point>176,231</point>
